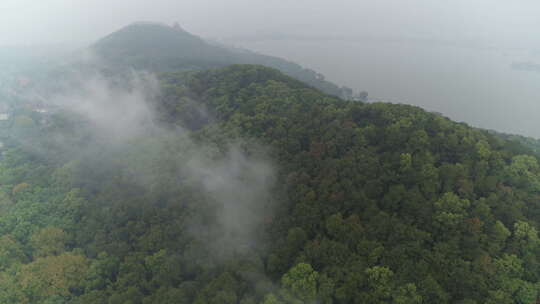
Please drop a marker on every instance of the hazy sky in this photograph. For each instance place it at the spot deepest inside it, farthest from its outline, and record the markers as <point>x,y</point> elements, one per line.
<point>491,21</point>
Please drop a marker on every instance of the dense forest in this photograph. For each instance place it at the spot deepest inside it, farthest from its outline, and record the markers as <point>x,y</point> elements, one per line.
<point>529,143</point>
<point>244,185</point>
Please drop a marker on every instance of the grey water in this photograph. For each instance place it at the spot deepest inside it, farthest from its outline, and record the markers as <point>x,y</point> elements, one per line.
<point>468,84</point>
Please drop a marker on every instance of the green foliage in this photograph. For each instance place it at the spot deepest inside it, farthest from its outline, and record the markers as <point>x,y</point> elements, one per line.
<point>48,241</point>
<point>11,252</point>
<point>301,280</point>
<point>373,203</point>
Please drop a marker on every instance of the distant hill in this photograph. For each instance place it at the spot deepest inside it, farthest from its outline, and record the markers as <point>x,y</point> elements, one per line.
<point>163,48</point>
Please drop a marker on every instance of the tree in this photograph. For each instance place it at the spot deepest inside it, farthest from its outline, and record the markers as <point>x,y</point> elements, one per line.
<point>11,252</point>
<point>271,299</point>
<point>407,295</point>
<point>379,284</point>
<point>48,241</point>
<point>301,281</point>
<point>450,210</point>
<point>53,275</point>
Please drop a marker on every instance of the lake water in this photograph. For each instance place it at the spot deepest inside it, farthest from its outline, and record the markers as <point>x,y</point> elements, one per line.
<point>477,86</point>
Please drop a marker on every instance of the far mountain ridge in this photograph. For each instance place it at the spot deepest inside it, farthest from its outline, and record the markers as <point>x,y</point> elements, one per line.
<point>162,48</point>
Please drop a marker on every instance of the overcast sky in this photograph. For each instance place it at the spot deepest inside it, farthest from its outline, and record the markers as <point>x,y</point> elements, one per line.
<point>501,22</point>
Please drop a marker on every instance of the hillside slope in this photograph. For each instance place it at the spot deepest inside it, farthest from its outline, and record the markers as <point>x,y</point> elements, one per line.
<point>275,193</point>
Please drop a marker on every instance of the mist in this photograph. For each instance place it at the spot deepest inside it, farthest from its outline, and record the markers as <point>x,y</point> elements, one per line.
<point>122,136</point>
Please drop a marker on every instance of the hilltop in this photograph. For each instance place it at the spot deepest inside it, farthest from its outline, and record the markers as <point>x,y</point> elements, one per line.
<point>162,48</point>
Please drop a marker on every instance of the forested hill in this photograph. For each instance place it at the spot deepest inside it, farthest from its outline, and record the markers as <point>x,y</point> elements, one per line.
<point>256,188</point>
<point>162,48</point>
<point>529,143</point>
